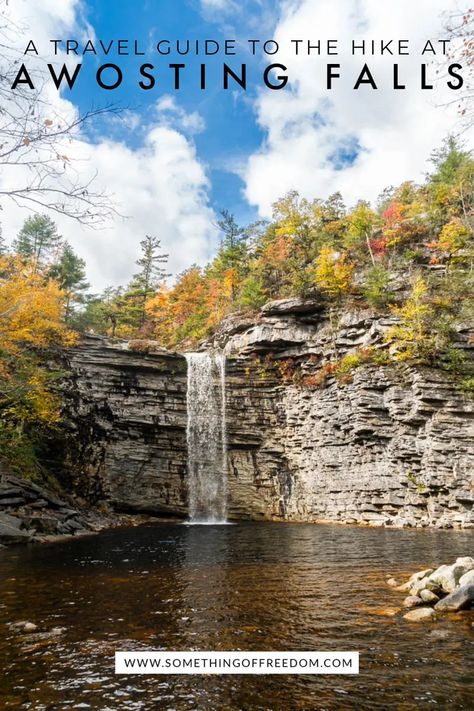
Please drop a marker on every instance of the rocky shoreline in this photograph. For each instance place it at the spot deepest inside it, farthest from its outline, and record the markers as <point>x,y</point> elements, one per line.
<point>448,588</point>
<point>30,513</point>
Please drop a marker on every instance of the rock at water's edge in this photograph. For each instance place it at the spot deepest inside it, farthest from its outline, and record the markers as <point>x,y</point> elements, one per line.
<point>421,614</point>
<point>458,600</point>
<point>11,531</point>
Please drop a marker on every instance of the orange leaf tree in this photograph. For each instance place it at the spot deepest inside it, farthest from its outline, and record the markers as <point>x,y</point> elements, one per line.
<point>31,325</point>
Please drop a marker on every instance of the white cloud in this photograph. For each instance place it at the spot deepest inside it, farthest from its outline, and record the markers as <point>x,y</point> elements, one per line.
<point>305,126</point>
<point>217,4</point>
<point>160,187</point>
<point>170,113</point>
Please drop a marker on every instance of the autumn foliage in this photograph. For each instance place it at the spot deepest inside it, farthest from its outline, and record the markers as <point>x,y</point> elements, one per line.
<point>31,325</point>
<point>321,249</point>
<point>410,257</point>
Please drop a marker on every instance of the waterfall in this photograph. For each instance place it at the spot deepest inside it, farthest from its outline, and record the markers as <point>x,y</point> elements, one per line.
<point>206,438</point>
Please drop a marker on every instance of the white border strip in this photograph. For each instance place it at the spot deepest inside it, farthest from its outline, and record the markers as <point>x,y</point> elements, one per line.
<point>237,662</point>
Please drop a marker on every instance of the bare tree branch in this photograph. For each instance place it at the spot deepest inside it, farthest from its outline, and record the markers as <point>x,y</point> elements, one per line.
<point>460,28</point>
<point>39,138</point>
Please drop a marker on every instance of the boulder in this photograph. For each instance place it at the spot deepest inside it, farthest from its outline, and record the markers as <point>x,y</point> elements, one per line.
<point>11,529</point>
<point>448,576</point>
<point>420,575</point>
<point>467,578</point>
<point>428,596</point>
<point>433,587</point>
<point>24,626</point>
<point>405,587</point>
<point>292,306</point>
<point>458,600</point>
<point>467,562</point>
<point>412,601</point>
<point>56,631</point>
<point>418,586</point>
<point>43,524</point>
<point>422,614</point>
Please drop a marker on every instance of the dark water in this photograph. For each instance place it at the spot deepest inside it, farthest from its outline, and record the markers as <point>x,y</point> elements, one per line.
<point>249,587</point>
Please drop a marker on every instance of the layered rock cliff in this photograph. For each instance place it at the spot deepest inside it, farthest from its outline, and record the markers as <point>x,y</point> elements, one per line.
<point>390,445</point>
<point>125,426</point>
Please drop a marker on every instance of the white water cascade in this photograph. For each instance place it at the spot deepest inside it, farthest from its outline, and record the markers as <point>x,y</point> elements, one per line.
<point>206,438</point>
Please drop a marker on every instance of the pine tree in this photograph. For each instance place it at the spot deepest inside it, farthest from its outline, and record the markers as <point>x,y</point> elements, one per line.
<point>233,248</point>
<point>70,273</point>
<point>448,161</point>
<point>111,308</point>
<point>38,240</point>
<point>146,282</point>
<point>334,207</point>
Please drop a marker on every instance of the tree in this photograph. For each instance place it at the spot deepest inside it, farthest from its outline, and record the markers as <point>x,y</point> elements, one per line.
<point>334,207</point>
<point>36,156</point>
<point>414,337</point>
<point>110,309</point>
<point>297,233</point>
<point>232,251</point>
<point>402,225</point>
<point>38,241</point>
<point>70,273</point>
<point>362,223</point>
<point>333,272</point>
<point>145,282</point>
<point>376,287</point>
<point>31,326</point>
<point>448,160</point>
<point>252,294</point>
<point>181,314</point>
<point>450,188</point>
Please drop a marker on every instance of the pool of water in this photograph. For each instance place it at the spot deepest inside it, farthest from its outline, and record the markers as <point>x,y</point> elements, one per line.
<point>249,587</point>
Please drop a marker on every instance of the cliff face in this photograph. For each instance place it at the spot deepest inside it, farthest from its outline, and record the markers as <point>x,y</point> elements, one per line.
<point>126,426</point>
<point>392,446</point>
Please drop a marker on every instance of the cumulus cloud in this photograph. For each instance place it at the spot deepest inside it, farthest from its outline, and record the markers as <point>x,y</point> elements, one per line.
<point>217,4</point>
<point>159,188</point>
<point>169,112</point>
<point>354,141</point>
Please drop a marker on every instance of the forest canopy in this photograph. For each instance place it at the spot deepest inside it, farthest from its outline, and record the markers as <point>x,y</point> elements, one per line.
<point>409,256</point>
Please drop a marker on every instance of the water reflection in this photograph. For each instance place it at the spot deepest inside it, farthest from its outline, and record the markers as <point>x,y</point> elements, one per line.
<point>252,586</point>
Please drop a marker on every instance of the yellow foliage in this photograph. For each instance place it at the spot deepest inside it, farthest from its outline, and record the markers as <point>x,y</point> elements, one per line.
<point>290,214</point>
<point>31,309</point>
<point>362,222</point>
<point>453,237</point>
<point>125,331</point>
<point>333,272</point>
<point>413,338</point>
<point>36,405</point>
<point>181,313</point>
<point>443,194</point>
<point>159,311</point>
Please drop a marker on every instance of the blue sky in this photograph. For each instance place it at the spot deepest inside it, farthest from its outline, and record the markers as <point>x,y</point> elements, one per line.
<point>232,131</point>
<point>176,158</point>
